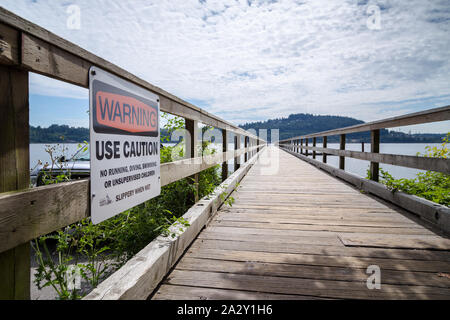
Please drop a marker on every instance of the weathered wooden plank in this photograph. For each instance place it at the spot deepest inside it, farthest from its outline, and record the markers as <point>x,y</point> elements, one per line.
<point>375,148</point>
<point>397,241</point>
<point>14,174</point>
<point>323,241</point>
<point>9,45</point>
<point>349,273</point>
<point>365,252</point>
<point>173,292</point>
<point>320,260</point>
<point>321,228</point>
<point>321,288</point>
<point>192,150</point>
<point>38,211</point>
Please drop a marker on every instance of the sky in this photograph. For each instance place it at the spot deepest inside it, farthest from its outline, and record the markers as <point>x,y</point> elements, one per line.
<point>251,60</point>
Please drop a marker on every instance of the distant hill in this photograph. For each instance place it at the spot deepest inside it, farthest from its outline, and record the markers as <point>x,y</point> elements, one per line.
<point>61,133</point>
<point>58,133</point>
<point>303,123</point>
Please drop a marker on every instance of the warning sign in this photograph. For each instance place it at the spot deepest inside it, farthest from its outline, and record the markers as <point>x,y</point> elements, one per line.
<point>125,145</point>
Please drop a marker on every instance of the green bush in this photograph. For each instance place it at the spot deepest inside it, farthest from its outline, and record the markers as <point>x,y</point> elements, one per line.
<point>433,186</point>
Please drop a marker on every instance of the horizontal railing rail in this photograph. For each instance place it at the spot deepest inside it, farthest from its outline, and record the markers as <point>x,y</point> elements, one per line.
<point>427,116</point>
<point>28,213</point>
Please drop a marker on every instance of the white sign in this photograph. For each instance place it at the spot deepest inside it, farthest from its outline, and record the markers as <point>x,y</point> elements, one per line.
<point>124,145</point>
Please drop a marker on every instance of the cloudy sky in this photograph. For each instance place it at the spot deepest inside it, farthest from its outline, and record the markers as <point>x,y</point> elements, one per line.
<point>247,60</point>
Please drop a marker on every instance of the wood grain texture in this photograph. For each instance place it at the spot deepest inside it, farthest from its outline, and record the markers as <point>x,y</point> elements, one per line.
<point>14,175</point>
<point>9,45</point>
<point>283,238</point>
<point>429,211</point>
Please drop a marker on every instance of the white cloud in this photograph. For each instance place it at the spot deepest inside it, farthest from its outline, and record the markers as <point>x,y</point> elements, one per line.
<point>269,58</point>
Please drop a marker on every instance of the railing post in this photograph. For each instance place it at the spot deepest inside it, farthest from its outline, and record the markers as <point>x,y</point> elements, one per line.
<point>374,148</point>
<point>301,146</point>
<point>237,146</point>
<point>307,150</point>
<point>324,155</point>
<point>14,174</point>
<point>246,146</point>
<point>224,150</point>
<point>192,149</point>
<point>342,147</point>
<point>314,144</point>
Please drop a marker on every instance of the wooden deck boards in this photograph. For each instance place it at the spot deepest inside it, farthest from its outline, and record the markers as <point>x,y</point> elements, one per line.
<point>302,234</point>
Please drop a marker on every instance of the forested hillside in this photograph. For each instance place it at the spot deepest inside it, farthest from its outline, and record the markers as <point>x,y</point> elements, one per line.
<point>302,123</point>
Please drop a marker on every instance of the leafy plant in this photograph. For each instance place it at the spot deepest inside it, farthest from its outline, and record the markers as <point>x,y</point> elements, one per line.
<point>433,186</point>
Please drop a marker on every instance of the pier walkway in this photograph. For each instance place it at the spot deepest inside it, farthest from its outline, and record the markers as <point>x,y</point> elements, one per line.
<point>303,234</point>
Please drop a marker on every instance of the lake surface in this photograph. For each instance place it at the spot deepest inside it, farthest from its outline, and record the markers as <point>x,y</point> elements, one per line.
<point>356,166</point>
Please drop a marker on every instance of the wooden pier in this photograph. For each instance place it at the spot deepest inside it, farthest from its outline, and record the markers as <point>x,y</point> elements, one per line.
<point>303,234</point>
<point>299,228</point>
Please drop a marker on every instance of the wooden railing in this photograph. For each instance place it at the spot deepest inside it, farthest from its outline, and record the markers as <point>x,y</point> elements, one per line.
<point>28,213</point>
<point>432,212</point>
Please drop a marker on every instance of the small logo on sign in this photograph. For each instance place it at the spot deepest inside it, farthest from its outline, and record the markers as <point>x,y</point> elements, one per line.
<point>105,202</point>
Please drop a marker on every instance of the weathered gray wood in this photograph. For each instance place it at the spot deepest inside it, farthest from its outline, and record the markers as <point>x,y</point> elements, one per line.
<point>224,150</point>
<point>300,286</point>
<point>336,252</point>
<point>9,45</point>
<point>14,175</point>
<point>140,275</point>
<point>395,241</point>
<point>374,148</point>
<point>171,292</point>
<point>193,148</point>
<point>38,211</point>
<point>324,155</point>
<point>342,147</point>
<point>430,211</point>
<point>237,146</point>
<point>350,273</point>
<point>314,144</point>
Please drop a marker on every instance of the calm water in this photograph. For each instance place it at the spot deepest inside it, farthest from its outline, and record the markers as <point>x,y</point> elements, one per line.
<point>359,167</point>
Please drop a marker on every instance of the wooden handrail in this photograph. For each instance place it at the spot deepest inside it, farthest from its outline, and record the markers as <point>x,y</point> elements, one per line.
<point>427,116</point>
<point>375,157</point>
